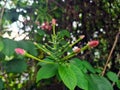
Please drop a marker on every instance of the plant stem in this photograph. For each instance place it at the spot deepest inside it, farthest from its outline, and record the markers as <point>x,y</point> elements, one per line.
<point>54,30</point>
<point>75,42</point>
<point>35,58</point>
<point>113,47</point>
<point>1,16</point>
<point>54,37</point>
<point>70,45</point>
<point>65,47</point>
<point>46,51</point>
<point>73,53</point>
<point>43,48</point>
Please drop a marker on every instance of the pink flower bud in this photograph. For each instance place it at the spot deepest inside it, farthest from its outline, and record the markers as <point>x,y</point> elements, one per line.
<point>93,43</point>
<point>37,23</point>
<point>20,51</point>
<point>53,21</point>
<point>76,50</point>
<point>82,36</point>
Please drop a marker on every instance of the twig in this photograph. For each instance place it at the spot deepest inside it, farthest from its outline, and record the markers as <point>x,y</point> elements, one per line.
<point>113,47</point>
<point>2,12</point>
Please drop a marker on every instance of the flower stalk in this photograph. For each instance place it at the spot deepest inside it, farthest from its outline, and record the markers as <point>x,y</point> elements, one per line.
<point>80,38</point>
<point>24,53</point>
<point>35,58</point>
<point>46,51</point>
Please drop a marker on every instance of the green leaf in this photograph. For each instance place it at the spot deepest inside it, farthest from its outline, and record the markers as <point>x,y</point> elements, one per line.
<point>22,44</point>
<point>81,79</point>
<point>1,45</point>
<point>9,47</point>
<point>91,83</point>
<point>2,56</point>
<point>68,77</point>
<point>98,83</point>
<point>11,15</point>
<point>77,62</point>
<point>31,48</point>
<point>28,46</point>
<point>46,59</point>
<point>41,32</point>
<point>88,66</point>
<point>15,66</point>
<point>118,84</point>
<point>112,76</point>
<point>46,71</point>
<point>64,33</point>
<point>1,84</point>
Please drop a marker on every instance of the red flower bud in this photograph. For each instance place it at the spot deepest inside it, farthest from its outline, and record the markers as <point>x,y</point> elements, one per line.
<point>93,43</point>
<point>20,51</point>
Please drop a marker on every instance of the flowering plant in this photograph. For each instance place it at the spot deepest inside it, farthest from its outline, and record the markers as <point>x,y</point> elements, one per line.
<point>57,62</point>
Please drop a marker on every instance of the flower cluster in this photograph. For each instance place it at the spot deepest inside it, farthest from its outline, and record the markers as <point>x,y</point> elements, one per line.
<point>56,47</point>
<point>47,25</point>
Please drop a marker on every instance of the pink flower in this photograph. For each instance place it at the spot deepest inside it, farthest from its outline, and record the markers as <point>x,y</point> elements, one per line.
<point>53,21</point>
<point>93,43</point>
<point>46,26</point>
<point>20,51</point>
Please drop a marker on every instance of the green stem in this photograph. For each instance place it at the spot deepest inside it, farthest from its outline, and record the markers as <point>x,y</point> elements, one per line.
<point>65,47</point>
<point>73,54</point>
<point>35,58</point>
<point>75,42</point>
<point>71,45</point>
<point>54,37</point>
<point>54,30</point>
<point>43,48</point>
<point>46,51</point>
<point>69,56</point>
<point>48,46</point>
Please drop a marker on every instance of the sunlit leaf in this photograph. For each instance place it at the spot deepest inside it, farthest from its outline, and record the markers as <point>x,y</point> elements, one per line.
<point>68,77</point>
<point>77,62</point>
<point>81,79</point>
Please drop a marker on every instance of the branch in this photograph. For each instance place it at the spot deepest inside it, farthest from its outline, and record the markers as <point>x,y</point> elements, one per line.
<point>110,54</point>
<point>2,12</point>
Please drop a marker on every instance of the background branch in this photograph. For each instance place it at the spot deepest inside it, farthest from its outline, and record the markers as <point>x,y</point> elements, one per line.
<point>110,54</point>
<point>1,16</point>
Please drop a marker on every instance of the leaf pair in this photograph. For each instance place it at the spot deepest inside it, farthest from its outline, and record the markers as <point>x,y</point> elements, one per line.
<point>74,74</point>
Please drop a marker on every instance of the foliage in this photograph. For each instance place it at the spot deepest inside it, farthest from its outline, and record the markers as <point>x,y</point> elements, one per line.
<point>96,19</point>
<point>56,62</point>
